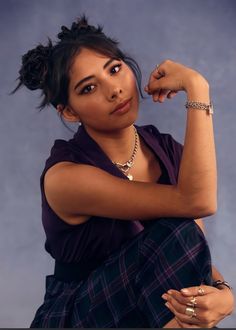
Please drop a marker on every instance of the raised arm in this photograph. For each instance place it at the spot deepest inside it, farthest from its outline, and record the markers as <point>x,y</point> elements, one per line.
<point>197,174</point>
<point>76,189</point>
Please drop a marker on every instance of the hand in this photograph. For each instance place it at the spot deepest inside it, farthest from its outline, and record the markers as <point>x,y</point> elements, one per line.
<point>171,77</point>
<point>210,308</point>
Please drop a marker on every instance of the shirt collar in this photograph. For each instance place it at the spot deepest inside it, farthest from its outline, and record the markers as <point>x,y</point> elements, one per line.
<point>98,158</point>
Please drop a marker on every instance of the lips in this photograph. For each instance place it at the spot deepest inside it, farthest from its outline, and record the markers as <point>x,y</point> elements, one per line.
<point>121,106</point>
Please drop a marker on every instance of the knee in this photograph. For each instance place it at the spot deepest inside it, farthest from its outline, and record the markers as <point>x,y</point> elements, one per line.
<point>177,245</point>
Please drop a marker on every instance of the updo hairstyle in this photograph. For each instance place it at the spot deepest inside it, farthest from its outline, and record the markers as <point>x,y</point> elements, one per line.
<point>47,67</point>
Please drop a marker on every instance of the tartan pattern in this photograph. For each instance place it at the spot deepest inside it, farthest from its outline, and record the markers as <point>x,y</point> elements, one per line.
<point>125,291</point>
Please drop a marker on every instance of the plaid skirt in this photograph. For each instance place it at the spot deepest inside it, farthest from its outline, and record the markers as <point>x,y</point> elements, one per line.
<point>125,290</point>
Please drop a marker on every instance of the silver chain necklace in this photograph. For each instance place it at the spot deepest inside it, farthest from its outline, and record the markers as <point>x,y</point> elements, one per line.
<point>127,166</point>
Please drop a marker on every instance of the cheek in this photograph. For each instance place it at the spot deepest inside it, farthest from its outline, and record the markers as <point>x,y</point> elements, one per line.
<point>83,105</point>
<point>134,87</point>
<point>130,76</point>
<point>130,81</point>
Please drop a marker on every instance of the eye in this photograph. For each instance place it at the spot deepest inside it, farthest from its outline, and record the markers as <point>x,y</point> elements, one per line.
<point>87,89</point>
<point>116,68</point>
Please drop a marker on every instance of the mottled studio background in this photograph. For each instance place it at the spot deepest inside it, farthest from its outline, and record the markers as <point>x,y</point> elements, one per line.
<point>199,33</point>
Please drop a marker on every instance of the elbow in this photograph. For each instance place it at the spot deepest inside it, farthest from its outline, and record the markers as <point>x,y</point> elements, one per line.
<point>200,206</point>
<point>213,209</point>
<point>205,208</point>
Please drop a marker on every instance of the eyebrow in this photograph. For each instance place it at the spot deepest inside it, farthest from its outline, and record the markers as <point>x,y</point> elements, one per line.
<point>92,76</point>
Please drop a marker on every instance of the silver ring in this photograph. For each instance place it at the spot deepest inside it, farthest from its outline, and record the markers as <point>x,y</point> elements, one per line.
<point>194,315</point>
<point>190,312</point>
<point>201,291</point>
<point>157,68</point>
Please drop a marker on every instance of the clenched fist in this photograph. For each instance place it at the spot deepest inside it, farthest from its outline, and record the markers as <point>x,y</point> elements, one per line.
<point>170,77</point>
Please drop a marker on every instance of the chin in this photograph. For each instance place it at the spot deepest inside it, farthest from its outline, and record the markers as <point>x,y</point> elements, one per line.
<point>126,122</point>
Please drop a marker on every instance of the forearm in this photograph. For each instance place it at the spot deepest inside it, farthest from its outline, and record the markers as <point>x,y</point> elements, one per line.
<point>198,174</point>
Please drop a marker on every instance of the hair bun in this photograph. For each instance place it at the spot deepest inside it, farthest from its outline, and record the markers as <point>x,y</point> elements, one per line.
<point>35,65</point>
<point>78,29</point>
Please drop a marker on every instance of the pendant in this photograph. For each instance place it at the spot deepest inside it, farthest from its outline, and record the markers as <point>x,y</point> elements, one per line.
<point>130,177</point>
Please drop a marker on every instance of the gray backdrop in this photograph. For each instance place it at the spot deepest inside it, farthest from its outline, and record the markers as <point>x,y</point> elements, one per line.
<point>200,34</point>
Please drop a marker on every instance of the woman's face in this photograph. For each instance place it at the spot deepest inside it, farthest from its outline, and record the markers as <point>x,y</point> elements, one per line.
<point>99,86</point>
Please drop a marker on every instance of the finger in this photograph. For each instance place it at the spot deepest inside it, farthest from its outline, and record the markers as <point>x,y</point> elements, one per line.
<point>183,317</point>
<point>160,95</point>
<point>179,297</point>
<point>197,301</point>
<point>163,94</point>
<point>171,94</point>
<point>202,317</point>
<point>200,290</point>
<point>155,96</point>
<point>199,319</point>
<point>155,77</point>
<point>158,72</point>
<point>178,307</point>
<point>181,310</point>
<point>154,86</point>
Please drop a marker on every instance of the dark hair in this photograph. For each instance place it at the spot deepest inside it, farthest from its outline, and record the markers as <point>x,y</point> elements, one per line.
<point>47,67</point>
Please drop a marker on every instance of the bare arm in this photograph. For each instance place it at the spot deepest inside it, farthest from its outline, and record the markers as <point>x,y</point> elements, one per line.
<point>86,190</point>
<point>198,172</point>
<point>201,179</point>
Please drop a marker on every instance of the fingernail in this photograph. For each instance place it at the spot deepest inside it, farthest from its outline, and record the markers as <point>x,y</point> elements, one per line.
<point>170,292</point>
<point>167,305</point>
<point>164,296</point>
<point>184,290</point>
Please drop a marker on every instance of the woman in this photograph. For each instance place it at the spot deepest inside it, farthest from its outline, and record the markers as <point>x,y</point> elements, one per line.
<point>118,200</point>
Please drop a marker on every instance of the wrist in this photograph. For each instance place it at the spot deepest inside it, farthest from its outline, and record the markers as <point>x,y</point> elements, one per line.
<point>223,287</point>
<point>198,89</point>
<point>227,298</point>
<point>221,284</point>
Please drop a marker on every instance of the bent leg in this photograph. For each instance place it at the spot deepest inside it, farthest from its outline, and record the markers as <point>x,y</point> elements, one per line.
<point>125,291</point>
<point>174,255</point>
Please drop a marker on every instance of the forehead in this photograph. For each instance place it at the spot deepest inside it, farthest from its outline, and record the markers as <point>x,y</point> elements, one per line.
<point>86,62</point>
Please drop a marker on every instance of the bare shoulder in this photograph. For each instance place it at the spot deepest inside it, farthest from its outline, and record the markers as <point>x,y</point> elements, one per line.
<point>56,169</point>
<point>51,179</point>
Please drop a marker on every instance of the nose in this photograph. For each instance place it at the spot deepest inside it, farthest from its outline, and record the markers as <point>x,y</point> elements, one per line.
<point>114,92</point>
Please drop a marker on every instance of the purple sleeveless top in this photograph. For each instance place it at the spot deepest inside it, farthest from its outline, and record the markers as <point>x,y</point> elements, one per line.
<point>97,238</point>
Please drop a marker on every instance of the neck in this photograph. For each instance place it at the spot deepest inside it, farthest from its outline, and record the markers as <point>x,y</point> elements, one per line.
<point>118,145</point>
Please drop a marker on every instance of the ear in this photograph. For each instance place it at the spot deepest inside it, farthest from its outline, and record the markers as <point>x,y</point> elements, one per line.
<point>68,113</point>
